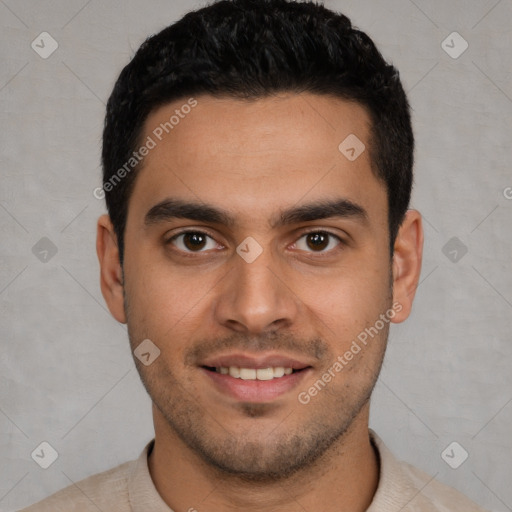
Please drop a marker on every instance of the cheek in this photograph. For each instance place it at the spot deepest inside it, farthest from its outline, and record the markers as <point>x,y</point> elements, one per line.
<point>346,307</point>
<point>164,301</point>
<point>352,293</point>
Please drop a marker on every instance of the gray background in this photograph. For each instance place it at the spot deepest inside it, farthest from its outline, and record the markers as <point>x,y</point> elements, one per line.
<point>66,372</point>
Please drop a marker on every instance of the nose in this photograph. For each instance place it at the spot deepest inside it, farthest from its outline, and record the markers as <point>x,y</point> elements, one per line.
<point>255,297</point>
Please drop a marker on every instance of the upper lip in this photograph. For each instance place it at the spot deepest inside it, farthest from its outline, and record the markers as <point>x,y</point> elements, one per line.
<point>254,361</point>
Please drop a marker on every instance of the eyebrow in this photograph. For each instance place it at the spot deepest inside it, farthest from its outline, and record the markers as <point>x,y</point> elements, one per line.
<point>170,209</point>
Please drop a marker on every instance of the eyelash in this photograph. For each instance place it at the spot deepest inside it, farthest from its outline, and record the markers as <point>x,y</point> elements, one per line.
<point>204,233</point>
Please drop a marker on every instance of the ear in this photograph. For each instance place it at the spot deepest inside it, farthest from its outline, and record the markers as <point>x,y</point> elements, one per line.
<point>111,276</point>
<point>408,251</point>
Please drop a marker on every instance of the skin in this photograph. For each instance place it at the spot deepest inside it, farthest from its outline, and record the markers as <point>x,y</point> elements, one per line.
<point>256,159</point>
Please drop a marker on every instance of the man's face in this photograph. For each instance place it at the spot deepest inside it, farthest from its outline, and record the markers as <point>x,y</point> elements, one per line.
<point>319,281</point>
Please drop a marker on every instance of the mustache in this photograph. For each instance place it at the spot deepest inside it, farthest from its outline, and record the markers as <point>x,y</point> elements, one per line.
<point>312,348</point>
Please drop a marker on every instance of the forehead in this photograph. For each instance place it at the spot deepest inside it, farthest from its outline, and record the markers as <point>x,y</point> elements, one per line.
<point>287,122</point>
<point>257,154</point>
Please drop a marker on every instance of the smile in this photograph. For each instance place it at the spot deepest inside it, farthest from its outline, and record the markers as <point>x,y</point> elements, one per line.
<point>237,372</point>
<point>255,384</point>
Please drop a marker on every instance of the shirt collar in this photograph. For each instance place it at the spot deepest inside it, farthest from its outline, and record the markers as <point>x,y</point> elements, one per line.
<point>395,489</point>
<point>142,492</point>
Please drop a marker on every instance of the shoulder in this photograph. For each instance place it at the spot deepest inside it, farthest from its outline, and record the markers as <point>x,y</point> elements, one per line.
<point>407,488</point>
<point>103,491</point>
<point>435,495</point>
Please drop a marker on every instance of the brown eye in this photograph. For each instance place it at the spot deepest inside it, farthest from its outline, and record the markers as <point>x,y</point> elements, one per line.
<point>317,241</point>
<point>193,241</point>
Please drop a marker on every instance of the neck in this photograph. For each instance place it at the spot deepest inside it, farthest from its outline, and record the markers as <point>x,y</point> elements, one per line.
<point>344,479</point>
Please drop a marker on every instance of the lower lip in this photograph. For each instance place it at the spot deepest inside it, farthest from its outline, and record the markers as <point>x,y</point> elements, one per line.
<point>256,390</point>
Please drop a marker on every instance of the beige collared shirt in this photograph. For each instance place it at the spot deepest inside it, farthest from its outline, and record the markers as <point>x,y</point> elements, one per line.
<point>129,488</point>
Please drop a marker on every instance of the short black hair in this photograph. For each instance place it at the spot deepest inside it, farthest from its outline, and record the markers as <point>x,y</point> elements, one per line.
<point>251,49</point>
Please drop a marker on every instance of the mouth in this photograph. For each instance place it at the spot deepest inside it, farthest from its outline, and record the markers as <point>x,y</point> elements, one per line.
<point>255,379</point>
<point>269,373</point>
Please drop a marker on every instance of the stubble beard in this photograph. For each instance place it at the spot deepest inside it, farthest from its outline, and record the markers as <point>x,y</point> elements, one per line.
<point>267,456</point>
<point>272,456</point>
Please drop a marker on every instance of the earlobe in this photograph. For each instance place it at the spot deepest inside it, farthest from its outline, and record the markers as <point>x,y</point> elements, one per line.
<point>111,276</point>
<point>407,257</point>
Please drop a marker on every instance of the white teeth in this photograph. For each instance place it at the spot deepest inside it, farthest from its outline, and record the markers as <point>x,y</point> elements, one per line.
<point>247,373</point>
<point>234,371</point>
<point>278,371</point>
<point>264,374</point>
<point>253,374</point>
